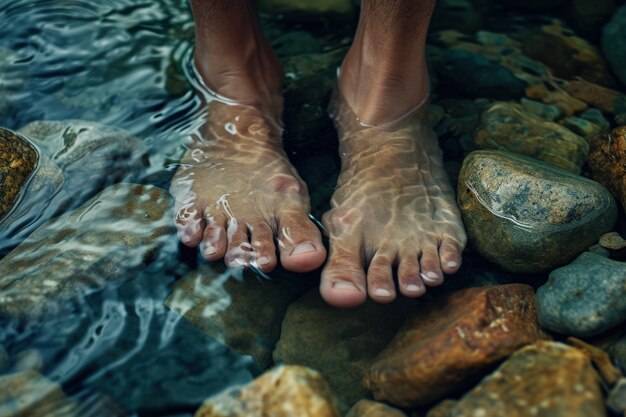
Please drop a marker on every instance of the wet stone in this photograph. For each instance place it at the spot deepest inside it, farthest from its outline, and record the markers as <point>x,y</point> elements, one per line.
<point>582,127</point>
<point>547,111</point>
<point>507,126</point>
<point>617,397</point>
<point>547,379</point>
<point>596,117</point>
<point>607,162</point>
<point>109,238</point>
<point>236,307</point>
<point>529,216</point>
<point>449,342</point>
<point>614,43</point>
<point>340,344</point>
<point>367,408</point>
<point>18,160</point>
<point>310,9</point>
<point>595,95</point>
<point>285,391</point>
<point>584,298</point>
<point>615,245</point>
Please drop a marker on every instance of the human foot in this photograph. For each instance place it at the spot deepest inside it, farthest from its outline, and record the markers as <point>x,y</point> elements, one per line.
<point>236,192</point>
<point>393,206</point>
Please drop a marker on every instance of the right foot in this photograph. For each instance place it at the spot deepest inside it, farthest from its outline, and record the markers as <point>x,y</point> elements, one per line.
<point>236,193</point>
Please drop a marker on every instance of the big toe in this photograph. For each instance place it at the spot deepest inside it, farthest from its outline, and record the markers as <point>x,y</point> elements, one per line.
<point>343,278</point>
<point>300,243</point>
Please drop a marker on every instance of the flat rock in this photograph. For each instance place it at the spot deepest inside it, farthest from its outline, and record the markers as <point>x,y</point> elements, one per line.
<point>547,379</point>
<point>18,160</point>
<point>449,342</point>
<point>584,298</point>
<point>367,408</point>
<point>607,162</point>
<point>340,344</point>
<point>529,216</point>
<point>236,307</point>
<point>284,391</point>
<point>108,238</point>
<point>509,127</point>
<point>614,43</point>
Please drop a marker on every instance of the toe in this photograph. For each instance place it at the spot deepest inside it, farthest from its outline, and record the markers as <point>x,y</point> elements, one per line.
<point>409,281</point>
<point>449,255</point>
<point>299,242</point>
<point>239,249</point>
<point>214,242</point>
<point>343,277</point>
<point>429,265</point>
<point>264,251</point>
<point>190,225</point>
<point>380,286</point>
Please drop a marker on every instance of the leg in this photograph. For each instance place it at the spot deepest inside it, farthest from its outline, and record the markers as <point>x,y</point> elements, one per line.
<point>393,204</point>
<point>235,190</point>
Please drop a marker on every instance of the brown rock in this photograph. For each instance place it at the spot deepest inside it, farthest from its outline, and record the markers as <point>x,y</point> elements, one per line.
<point>367,408</point>
<point>18,159</point>
<point>285,391</point>
<point>236,307</point>
<point>600,360</point>
<point>544,380</point>
<point>450,341</point>
<point>607,161</point>
<point>595,95</point>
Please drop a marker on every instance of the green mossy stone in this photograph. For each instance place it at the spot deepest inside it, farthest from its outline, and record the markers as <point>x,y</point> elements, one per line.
<point>18,161</point>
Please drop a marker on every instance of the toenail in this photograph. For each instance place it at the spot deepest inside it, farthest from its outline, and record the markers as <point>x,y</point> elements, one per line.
<point>452,264</point>
<point>382,292</point>
<point>185,238</point>
<point>303,248</point>
<point>430,276</point>
<point>209,250</point>
<point>263,260</point>
<point>413,288</point>
<point>345,285</point>
<point>237,262</point>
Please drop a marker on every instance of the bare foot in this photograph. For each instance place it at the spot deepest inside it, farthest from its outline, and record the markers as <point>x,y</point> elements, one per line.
<point>236,193</point>
<point>393,206</point>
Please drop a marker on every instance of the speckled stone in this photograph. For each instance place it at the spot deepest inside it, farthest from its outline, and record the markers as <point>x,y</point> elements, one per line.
<point>367,408</point>
<point>18,159</point>
<point>235,307</point>
<point>584,298</point>
<point>108,238</point>
<point>607,161</point>
<point>340,344</point>
<point>285,391</point>
<point>507,126</point>
<point>582,127</point>
<point>614,43</point>
<point>547,111</point>
<point>529,216</point>
<point>449,342</point>
<point>544,380</point>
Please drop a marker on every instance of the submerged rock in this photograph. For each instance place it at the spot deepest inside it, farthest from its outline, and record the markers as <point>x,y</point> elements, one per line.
<point>109,238</point>
<point>367,408</point>
<point>508,127</point>
<point>285,391</point>
<point>617,397</point>
<point>545,380</point>
<point>584,298</point>
<point>235,307</point>
<point>310,9</point>
<point>607,162</point>
<point>449,342</point>
<point>529,216</point>
<point>340,344</point>
<point>18,160</point>
<point>614,43</point>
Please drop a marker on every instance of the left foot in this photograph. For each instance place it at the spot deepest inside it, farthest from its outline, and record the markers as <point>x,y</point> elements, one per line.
<point>393,206</point>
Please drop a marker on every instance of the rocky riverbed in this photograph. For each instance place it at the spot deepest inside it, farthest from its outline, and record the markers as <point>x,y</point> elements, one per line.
<point>103,314</point>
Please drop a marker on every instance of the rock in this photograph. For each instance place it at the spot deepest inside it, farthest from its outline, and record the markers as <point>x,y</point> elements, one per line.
<point>367,408</point>
<point>584,298</point>
<point>547,111</point>
<point>109,238</point>
<point>529,216</point>
<point>30,394</point>
<point>547,379</point>
<point>615,245</point>
<point>294,43</point>
<point>472,75</point>
<point>617,397</point>
<point>587,18</point>
<point>18,159</point>
<point>343,10</point>
<point>536,5</point>
<point>600,360</point>
<point>614,43</point>
<point>615,346</point>
<point>508,127</point>
<point>284,391</point>
<point>582,127</point>
<point>340,344</point>
<point>4,358</point>
<point>596,117</point>
<point>449,342</point>
<point>459,14</point>
<point>236,307</point>
<point>607,162</point>
<point>595,95</point>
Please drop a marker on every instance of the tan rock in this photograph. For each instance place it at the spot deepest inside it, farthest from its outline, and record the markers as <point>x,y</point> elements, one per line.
<point>607,161</point>
<point>600,360</point>
<point>285,391</point>
<point>367,408</point>
<point>18,159</point>
<point>236,307</point>
<point>450,341</point>
<point>595,95</point>
<point>544,380</point>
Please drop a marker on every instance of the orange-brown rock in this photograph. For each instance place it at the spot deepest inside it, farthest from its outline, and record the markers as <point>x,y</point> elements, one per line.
<point>451,341</point>
<point>595,95</point>
<point>546,379</point>
<point>285,391</point>
<point>367,408</point>
<point>607,161</point>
